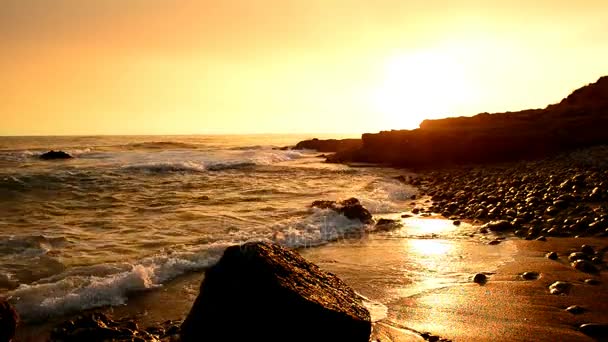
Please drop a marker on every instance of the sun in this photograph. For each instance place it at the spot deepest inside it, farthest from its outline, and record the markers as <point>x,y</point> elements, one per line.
<point>417,86</point>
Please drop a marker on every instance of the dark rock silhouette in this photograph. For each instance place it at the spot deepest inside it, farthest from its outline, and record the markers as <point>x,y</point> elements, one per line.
<point>351,208</point>
<point>8,321</point>
<point>330,145</point>
<point>263,292</point>
<point>578,121</point>
<point>53,155</point>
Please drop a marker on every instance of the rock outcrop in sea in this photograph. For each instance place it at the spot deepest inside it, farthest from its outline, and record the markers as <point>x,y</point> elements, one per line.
<point>54,155</point>
<point>329,145</point>
<point>263,292</point>
<point>578,121</point>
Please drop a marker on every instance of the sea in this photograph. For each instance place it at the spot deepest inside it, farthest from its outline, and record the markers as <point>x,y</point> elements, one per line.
<point>133,213</point>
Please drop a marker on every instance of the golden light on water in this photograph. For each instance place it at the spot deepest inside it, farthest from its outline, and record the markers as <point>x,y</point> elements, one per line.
<point>430,248</point>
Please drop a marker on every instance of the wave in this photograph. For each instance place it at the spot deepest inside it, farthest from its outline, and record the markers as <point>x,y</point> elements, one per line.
<point>105,285</point>
<point>160,145</point>
<point>244,160</point>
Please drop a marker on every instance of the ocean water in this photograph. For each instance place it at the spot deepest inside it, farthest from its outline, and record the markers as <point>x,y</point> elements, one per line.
<point>132,213</point>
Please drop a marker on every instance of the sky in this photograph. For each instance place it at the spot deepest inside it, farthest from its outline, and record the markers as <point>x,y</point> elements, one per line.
<point>74,67</point>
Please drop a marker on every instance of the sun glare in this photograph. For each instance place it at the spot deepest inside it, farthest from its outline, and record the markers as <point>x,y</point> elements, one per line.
<point>418,86</point>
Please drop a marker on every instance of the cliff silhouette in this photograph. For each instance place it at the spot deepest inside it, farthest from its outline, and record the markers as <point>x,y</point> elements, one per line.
<point>580,120</point>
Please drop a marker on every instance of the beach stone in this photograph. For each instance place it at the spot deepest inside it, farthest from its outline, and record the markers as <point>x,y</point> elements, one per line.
<point>592,281</point>
<point>584,266</point>
<point>551,255</point>
<point>8,321</point>
<point>351,208</point>
<point>575,309</point>
<point>456,223</point>
<point>498,226</point>
<point>494,242</point>
<point>586,249</point>
<point>560,287</point>
<point>596,330</point>
<point>541,238</point>
<point>263,292</point>
<point>54,155</point>
<point>530,275</point>
<point>577,256</point>
<point>480,278</point>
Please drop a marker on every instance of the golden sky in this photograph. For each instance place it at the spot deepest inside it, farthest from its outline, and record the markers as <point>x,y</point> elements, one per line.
<point>286,66</point>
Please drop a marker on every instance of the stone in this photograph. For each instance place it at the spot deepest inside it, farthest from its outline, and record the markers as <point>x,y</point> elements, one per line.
<point>577,256</point>
<point>584,266</point>
<point>494,242</point>
<point>560,287</point>
<point>586,249</point>
<point>591,281</point>
<point>541,238</point>
<point>9,319</point>
<point>351,208</point>
<point>575,309</point>
<point>54,155</point>
<point>480,278</point>
<point>263,292</point>
<point>598,331</point>
<point>551,255</point>
<point>530,275</point>
<point>456,222</point>
<point>498,226</point>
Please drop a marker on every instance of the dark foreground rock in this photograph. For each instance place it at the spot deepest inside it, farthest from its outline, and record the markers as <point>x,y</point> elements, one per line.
<point>350,208</point>
<point>97,326</point>
<point>578,121</point>
<point>54,155</point>
<point>262,292</point>
<point>329,145</point>
<point>8,321</point>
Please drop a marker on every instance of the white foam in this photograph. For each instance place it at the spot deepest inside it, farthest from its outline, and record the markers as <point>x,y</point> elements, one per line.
<point>82,289</point>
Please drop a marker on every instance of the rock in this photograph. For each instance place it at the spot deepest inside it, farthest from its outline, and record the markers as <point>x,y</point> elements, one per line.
<point>584,266</point>
<point>551,255</point>
<point>263,292</point>
<point>406,216</point>
<point>329,145</point>
<point>560,287</point>
<point>494,242</point>
<point>351,208</point>
<point>8,321</point>
<point>54,155</point>
<point>480,278</point>
<point>596,330</point>
<point>577,256</point>
<point>400,178</point>
<point>586,249</point>
<point>415,211</point>
<point>456,223</point>
<point>592,282</point>
<point>387,224</point>
<point>575,309</point>
<point>530,275</point>
<point>541,238</point>
<point>498,226</point>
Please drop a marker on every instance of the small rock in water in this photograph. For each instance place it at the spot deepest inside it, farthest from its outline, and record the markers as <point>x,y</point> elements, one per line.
<point>541,238</point>
<point>560,287</point>
<point>575,309</point>
<point>596,260</point>
<point>596,330</point>
<point>530,275</point>
<point>498,226</point>
<point>415,211</point>
<point>406,216</point>
<point>586,249</point>
<point>591,281</point>
<point>456,223</point>
<point>585,266</point>
<point>494,242</point>
<point>53,155</point>
<point>480,278</point>
<point>551,255</point>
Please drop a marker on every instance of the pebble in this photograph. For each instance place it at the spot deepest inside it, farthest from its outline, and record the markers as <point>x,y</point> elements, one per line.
<point>456,223</point>
<point>530,275</point>
<point>575,309</point>
<point>551,255</point>
<point>541,238</point>
<point>577,256</point>
<point>591,281</point>
<point>584,266</point>
<point>586,249</point>
<point>595,330</point>
<point>559,287</point>
<point>480,278</point>
<point>494,242</point>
